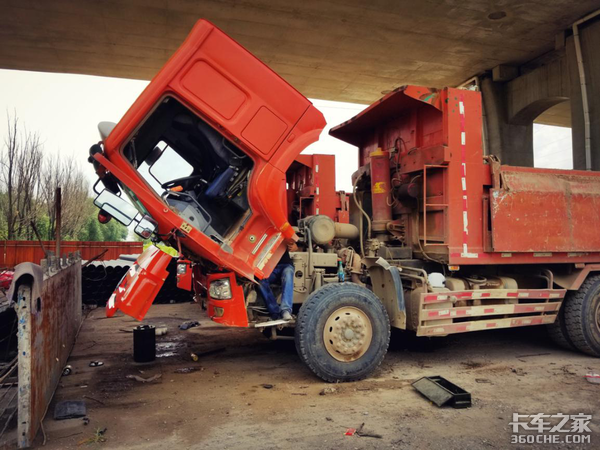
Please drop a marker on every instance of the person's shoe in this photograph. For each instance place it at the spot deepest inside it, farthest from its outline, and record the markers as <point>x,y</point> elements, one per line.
<point>285,315</point>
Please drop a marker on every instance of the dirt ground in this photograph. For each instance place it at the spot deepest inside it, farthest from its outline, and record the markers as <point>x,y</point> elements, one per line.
<point>224,399</point>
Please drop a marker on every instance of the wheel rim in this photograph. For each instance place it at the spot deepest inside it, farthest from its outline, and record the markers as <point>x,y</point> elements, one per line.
<point>348,334</point>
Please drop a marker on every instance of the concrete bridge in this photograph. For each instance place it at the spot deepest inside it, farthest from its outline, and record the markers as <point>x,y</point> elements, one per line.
<point>532,59</point>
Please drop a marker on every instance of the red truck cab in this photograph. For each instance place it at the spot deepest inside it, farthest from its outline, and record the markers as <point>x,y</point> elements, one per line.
<point>202,155</point>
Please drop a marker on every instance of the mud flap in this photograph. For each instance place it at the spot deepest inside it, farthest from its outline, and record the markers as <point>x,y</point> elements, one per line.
<point>139,287</point>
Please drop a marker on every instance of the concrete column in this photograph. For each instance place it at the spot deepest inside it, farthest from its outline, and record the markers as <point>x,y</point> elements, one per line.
<point>513,144</point>
<point>589,34</point>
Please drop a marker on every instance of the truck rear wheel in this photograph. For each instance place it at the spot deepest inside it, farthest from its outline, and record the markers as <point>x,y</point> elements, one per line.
<point>342,332</point>
<point>582,316</point>
<point>558,331</point>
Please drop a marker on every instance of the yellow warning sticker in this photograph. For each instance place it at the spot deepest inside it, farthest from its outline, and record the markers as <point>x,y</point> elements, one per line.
<point>186,227</point>
<point>379,187</point>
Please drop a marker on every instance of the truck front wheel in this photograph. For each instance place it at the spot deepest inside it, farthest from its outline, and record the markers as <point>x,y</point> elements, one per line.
<point>342,332</point>
<point>582,316</point>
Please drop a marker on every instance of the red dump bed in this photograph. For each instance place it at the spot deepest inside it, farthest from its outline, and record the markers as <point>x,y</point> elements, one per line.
<point>473,210</point>
<point>546,211</point>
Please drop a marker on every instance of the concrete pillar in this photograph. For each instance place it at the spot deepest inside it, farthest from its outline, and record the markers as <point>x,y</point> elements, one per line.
<point>589,34</point>
<point>513,144</point>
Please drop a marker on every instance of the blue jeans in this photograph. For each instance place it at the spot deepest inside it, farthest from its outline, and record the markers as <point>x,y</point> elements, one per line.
<point>284,274</point>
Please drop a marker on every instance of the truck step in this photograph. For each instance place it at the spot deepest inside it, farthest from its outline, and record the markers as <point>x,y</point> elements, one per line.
<point>273,323</point>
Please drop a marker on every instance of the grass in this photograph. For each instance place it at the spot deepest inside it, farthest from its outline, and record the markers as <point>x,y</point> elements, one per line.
<point>97,438</point>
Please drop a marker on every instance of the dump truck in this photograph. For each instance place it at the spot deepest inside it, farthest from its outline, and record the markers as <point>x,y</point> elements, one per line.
<point>436,237</point>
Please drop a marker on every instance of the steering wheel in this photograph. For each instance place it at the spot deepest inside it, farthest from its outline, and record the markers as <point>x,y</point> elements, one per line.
<point>184,182</point>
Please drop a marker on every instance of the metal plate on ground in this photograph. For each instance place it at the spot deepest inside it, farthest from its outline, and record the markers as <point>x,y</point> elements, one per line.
<point>69,409</point>
<point>441,392</point>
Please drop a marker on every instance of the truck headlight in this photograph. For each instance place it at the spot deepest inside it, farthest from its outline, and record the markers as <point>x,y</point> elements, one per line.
<point>220,289</point>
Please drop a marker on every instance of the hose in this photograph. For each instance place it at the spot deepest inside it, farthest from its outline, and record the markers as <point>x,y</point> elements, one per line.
<point>310,249</point>
<point>359,206</point>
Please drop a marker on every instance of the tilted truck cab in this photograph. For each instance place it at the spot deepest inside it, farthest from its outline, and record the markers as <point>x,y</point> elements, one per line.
<point>203,152</point>
<point>436,237</point>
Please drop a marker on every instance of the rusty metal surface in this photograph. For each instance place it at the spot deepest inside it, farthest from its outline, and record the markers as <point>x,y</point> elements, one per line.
<point>545,211</point>
<point>8,403</point>
<point>16,252</point>
<point>47,329</point>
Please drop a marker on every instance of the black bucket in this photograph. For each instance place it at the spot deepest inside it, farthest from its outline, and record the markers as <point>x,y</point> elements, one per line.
<point>144,343</point>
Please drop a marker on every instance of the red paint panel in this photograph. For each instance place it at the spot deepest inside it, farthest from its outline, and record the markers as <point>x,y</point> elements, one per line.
<point>184,280</point>
<point>264,130</point>
<point>232,311</point>
<point>214,89</point>
<point>140,285</point>
<point>545,211</point>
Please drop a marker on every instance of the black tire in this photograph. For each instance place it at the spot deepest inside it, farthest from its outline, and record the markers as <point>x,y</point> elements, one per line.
<point>582,316</point>
<point>323,305</point>
<point>558,331</point>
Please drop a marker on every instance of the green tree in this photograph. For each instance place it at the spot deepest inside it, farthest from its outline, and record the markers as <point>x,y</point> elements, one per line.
<point>91,231</point>
<point>42,223</point>
<point>114,231</point>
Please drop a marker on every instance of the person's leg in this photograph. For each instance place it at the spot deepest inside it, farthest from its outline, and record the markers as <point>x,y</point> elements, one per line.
<point>267,294</point>
<point>287,288</point>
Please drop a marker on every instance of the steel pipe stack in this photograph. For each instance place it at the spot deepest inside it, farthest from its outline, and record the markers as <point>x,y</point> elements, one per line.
<point>100,278</point>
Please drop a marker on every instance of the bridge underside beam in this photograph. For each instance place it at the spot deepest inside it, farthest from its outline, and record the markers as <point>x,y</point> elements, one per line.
<point>512,106</point>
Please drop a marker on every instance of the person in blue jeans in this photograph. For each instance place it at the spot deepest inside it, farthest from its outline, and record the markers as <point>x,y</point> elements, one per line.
<point>282,274</point>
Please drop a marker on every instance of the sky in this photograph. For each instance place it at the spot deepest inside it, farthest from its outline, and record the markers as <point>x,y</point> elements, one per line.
<point>553,148</point>
<point>65,110</point>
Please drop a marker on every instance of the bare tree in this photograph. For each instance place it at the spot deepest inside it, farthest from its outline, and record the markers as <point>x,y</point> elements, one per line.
<point>20,168</point>
<point>28,183</point>
<point>66,174</point>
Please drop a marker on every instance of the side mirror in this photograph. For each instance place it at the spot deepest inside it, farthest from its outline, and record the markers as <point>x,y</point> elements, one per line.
<point>116,207</point>
<point>146,227</point>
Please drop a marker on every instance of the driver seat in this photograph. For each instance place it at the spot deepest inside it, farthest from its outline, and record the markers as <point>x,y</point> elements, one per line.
<point>220,184</point>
